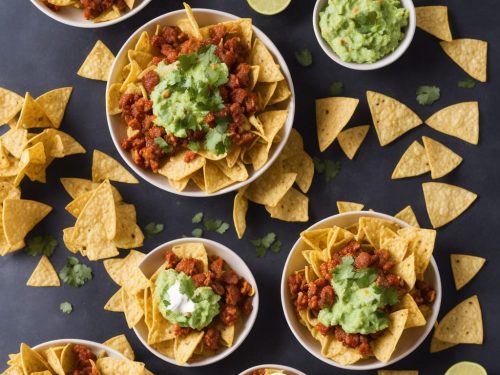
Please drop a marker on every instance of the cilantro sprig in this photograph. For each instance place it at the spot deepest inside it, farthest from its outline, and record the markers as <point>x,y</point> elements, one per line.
<point>268,242</point>
<point>329,168</point>
<point>468,83</point>
<point>304,57</point>
<point>41,245</point>
<point>66,307</point>
<point>209,225</point>
<point>426,95</point>
<point>336,88</point>
<point>74,273</point>
<point>152,229</point>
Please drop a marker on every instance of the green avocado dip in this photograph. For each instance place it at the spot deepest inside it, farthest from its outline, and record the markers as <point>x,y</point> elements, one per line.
<point>359,300</point>
<point>180,302</point>
<point>363,31</point>
<point>187,92</point>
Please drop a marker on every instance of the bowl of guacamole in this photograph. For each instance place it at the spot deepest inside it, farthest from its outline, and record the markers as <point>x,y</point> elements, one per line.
<point>364,34</point>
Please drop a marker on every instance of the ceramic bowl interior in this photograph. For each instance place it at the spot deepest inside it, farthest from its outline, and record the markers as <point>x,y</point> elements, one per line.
<point>95,347</point>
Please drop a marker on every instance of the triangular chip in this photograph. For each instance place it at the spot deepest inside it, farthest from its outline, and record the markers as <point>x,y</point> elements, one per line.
<point>421,244</point>
<point>215,179</point>
<point>10,104</point>
<point>240,209</point>
<point>54,104</point>
<point>396,245</point>
<point>177,169</point>
<point>14,141</point>
<point>414,162</point>
<point>408,216</point>
<point>20,216</point>
<point>269,71</point>
<point>126,273</point>
<point>384,346</point>
<point>438,345</point>
<point>192,20</point>
<point>445,202</point>
<point>105,167</point>
<point>332,115</point>
<point>406,270</point>
<point>132,309</point>
<point>44,274</point>
<point>185,346</point>
<point>463,324</point>
<point>121,345</point>
<point>415,316</point>
<point>115,366</point>
<point>302,164</point>
<point>434,20</point>
<point>441,159</point>
<point>128,234</point>
<point>458,120</point>
<point>350,139</point>
<point>470,55</point>
<point>464,268</point>
<point>294,206</point>
<point>115,303</point>
<point>32,115</point>
<point>372,226</point>
<point>344,206</point>
<point>391,118</point>
<point>281,93</point>
<point>272,122</point>
<point>31,360</point>
<point>98,63</point>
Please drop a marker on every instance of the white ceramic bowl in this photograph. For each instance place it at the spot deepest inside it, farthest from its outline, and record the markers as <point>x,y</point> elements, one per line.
<point>386,60</point>
<point>118,129</point>
<point>156,258</point>
<point>95,347</point>
<point>288,370</point>
<point>411,338</point>
<point>74,17</point>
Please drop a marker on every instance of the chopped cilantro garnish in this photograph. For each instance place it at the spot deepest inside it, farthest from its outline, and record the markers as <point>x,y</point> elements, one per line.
<point>152,229</point>
<point>223,228</point>
<point>276,246</point>
<point>75,273</point>
<point>304,57</point>
<point>197,232</point>
<point>197,218</point>
<point>165,147</point>
<point>210,225</point>
<point>268,242</point>
<point>217,139</point>
<point>426,95</point>
<point>41,245</point>
<point>468,83</point>
<point>66,307</point>
<point>194,146</point>
<point>329,168</point>
<point>336,88</point>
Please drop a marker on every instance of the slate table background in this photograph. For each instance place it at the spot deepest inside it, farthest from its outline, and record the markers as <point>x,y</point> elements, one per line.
<point>39,54</point>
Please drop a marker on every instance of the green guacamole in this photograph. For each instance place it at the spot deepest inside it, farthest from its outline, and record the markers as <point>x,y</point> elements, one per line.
<point>363,31</point>
<point>182,303</point>
<point>359,300</point>
<point>187,92</point>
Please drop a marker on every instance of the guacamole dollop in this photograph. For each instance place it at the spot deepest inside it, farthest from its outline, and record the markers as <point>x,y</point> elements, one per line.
<point>359,300</point>
<point>187,92</point>
<point>182,303</point>
<point>363,31</point>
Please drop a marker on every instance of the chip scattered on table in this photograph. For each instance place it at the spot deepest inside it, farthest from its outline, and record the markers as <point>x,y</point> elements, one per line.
<point>54,104</point>
<point>413,162</point>
<point>122,345</point>
<point>44,274</point>
<point>464,268</point>
<point>344,206</point>
<point>105,167</point>
<point>470,55</point>
<point>438,345</point>
<point>408,216</point>
<point>97,64</point>
<point>434,20</point>
<point>10,105</point>
<point>351,139</point>
<point>441,159</point>
<point>32,115</point>
<point>294,206</point>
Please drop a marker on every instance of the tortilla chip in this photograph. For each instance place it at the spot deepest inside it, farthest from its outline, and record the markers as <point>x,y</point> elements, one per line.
<point>391,118</point>
<point>294,206</point>
<point>143,43</point>
<point>121,345</point>
<point>14,141</point>
<point>295,143</point>
<point>215,179</point>
<point>76,187</point>
<point>32,115</point>
<point>114,366</point>
<point>408,216</point>
<point>470,55</point>
<point>44,274</point>
<point>132,309</point>
<point>264,91</point>
<point>185,346</point>
<point>52,355</point>
<point>259,154</point>
<point>31,360</point>
<point>128,234</point>
<point>115,303</point>
<point>441,159</point>
<point>464,268</point>
<point>272,122</point>
<point>108,15</point>
<point>194,250</point>
<point>384,346</point>
<point>415,316</point>
<point>396,245</point>
<point>414,162</point>
<point>269,71</point>
<point>105,167</point>
<point>445,202</point>
<point>227,334</point>
<point>54,104</point>
<point>192,19</point>
<point>344,206</point>
<point>438,345</point>
<point>177,169</point>
<point>434,20</point>
<point>463,324</point>
<point>350,139</point>
<point>406,270</point>
<point>421,244</point>
<point>161,329</point>
<point>113,98</point>
<point>126,272</point>
<point>281,93</point>
<point>10,105</point>
<point>459,120</point>
<point>240,209</point>
<point>302,164</point>
<point>372,226</point>
<point>97,64</point>
<point>332,115</point>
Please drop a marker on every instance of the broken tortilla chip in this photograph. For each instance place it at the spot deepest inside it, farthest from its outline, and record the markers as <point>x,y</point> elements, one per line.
<point>434,20</point>
<point>121,345</point>
<point>414,162</point>
<point>350,139</point>
<point>44,274</point>
<point>464,268</point>
<point>441,159</point>
<point>98,63</point>
<point>470,55</point>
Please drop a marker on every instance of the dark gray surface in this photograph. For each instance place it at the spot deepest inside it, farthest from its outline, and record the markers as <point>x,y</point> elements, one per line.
<point>38,54</point>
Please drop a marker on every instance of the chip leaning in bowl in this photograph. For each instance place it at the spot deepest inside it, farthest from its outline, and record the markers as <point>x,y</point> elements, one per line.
<point>200,104</point>
<point>94,10</point>
<point>362,286</point>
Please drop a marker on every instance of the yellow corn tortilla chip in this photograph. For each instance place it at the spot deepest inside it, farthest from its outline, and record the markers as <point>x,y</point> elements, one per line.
<point>458,120</point>
<point>130,3</point>
<point>121,344</point>
<point>445,202</point>
<point>180,185</point>
<point>161,329</point>
<point>332,115</point>
<point>294,206</point>
<point>141,58</point>
<point>126,273</point>
<point>105,167</point>
<point>132,309</point>
<point>143,43</point>
<point>264,91</point>
<point>391,118</point>
<point>54,104</point>
<point>8,191</point>
<point>281,93</point>
<point>107,15</point>
<point>166,348</point>
<point>44,274</point>
<point>441,159</point>
<point>114,366</point>
<point>384,346</point>
<point>240,209</point>
<point>408,216</point>
<point>97,64</point>
<point>258,154</point>
<point>115,303</point>
<point>238,172</point>
<point>415,316</point>
<point>194,250</point>
<point>53,355</point>
<point>350,139</point>
<point>185,25</point>
<point>344,206</point>
<point>185,346</point>
<point>128,85</point>
<point>76,187</point>
<point>464,268</point>
<point>113,98</point>
<point>463,324</point>
<point>438,345</point>
<point>406,270</point>
<point>470,55</point>
<point>396,245</point>
<point>434,20</point>
<point>421,244</point>
<point>295,143</point>
<point>31,360</point>
<point>10,105</point>
<point>128,234</point>
<point>227,334</point>
<point>272,122</point>
<point>14,141</point>
<point>413,162</point>
<point>269,71</point>
<point>192,19</point>
<point>215,179</point>
<point>302,164</point>
<point>32,115</point>
<point>177,169</point>
<point>372,226</point>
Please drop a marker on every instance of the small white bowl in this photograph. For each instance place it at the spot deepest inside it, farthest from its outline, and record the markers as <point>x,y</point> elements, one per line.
<point>288,370</point>
<point>74,17</point>
<point>95,347</point>
<point>155,259</point>
<point>411,338</point>
<point>118,129</point>
<point>386,60</point>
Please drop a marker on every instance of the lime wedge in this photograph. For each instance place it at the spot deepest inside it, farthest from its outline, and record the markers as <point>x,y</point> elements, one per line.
<point>466,368</point>
<point>268,7</point>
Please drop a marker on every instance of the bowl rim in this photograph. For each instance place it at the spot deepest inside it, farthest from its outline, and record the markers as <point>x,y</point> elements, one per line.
<point>147,175</point>
<point>384,61</point>
<point>87,24</point>
<point>88,343</point>
<point>250,320</point>
<point>248,371</point>
<point>376,364</point>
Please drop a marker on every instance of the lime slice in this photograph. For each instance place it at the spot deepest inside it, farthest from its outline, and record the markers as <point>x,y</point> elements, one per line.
<point>268,7</point>
<point>466,368</point>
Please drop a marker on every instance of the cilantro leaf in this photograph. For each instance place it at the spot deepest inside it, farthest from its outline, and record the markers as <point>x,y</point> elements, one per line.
<point>75,273</point>
<point>41,245</point>
<point>468,83</point>
<point>268,242</point>
<point>426,95</point>
<point>336,88</point>
<point>319,165</point>
<point>197,232</point>
<point>217,140</point>
<point>66,307</point>
<point>187,61</point>
<point>223,228</point>
<point>197,218</point>
<point>152,229</point>
<point>165,147</point>
<point>388,296</point>
<point>332,168</point>
<point>212,224</point>
<point>260,251</point>
<point>304,57</point>
<point>276,246</point>
<point>194,146</point>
